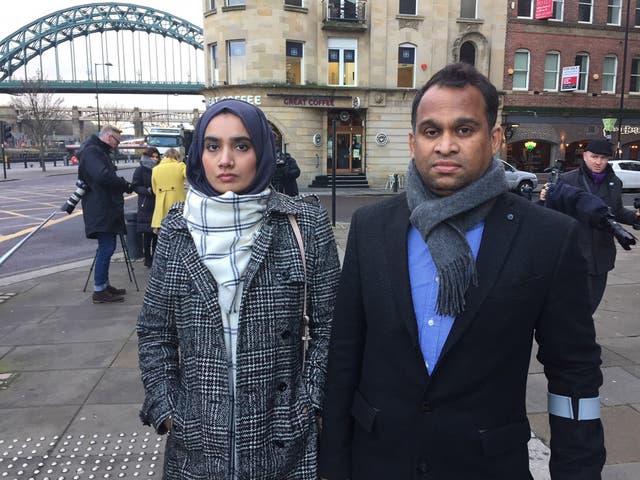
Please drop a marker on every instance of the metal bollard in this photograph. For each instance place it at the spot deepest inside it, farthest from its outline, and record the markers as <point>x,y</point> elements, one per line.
<point>395,182</point>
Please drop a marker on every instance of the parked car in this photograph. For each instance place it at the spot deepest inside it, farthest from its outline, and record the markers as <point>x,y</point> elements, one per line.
<point>518,180</point>
<point>628,171</point>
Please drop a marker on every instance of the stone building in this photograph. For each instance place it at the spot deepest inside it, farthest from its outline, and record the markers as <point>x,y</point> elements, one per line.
<point>337,77</point>
<point>548,118</point>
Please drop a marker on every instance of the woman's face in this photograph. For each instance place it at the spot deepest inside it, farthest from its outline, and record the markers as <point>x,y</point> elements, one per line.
<point>228,158</point>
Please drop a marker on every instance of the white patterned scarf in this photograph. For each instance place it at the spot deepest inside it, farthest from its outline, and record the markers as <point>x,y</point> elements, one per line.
<point>224,229</point>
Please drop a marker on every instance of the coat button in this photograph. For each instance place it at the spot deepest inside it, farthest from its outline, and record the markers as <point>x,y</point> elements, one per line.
<point>423,466</point>
<point>286,334</point>
<point>282,386</point>
<point>510,216</point>
<point>425,407</point>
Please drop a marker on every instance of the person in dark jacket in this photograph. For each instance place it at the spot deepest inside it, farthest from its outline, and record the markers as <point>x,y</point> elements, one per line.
<point>146,201</point>
<point>596,176</point>
<point>103,206</point>
<point>284,179</point>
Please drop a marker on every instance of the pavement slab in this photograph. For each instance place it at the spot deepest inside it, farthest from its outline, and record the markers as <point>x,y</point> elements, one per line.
<point>118,385</point>
<point>60,356</point>
<point>35,423</point>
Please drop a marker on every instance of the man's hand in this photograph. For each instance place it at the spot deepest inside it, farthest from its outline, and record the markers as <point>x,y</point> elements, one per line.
<point>129,188</point>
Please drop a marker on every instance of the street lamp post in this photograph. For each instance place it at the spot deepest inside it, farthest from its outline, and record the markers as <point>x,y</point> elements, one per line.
<point>95,77</point>
<point>624,74</point>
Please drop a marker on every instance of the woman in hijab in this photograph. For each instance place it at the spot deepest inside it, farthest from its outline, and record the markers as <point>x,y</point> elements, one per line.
<point>225,367</point>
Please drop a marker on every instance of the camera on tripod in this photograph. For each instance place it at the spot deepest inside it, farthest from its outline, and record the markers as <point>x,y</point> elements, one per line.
<point>75,197</point>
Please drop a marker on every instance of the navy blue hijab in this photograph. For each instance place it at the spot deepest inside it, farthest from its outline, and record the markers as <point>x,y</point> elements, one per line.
<point>261,136</point>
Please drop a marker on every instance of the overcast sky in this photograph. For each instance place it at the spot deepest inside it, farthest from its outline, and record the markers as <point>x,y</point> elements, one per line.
<point>26,11</point>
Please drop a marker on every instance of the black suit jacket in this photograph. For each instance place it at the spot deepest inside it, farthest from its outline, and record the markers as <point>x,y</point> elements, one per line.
<point>385,417</point>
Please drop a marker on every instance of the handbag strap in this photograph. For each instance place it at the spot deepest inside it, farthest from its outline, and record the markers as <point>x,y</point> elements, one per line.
<point>305,318</point>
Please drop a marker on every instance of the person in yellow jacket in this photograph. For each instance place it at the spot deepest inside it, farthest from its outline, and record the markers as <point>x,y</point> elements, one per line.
<point>167,182</point>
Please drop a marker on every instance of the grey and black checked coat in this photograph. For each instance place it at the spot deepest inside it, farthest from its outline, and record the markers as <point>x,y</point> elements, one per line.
<point>184,362</point>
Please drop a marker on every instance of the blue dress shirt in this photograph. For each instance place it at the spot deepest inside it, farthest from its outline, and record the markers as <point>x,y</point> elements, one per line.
<point>433,329</point>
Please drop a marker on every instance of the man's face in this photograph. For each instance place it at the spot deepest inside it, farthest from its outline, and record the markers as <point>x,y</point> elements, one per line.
<point>112,139</point>
<point>595,161</point>
<point>452,144</point>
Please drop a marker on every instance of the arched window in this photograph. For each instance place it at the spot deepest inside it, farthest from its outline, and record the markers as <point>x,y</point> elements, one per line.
<point>609,69</point>
<point>468,53</point>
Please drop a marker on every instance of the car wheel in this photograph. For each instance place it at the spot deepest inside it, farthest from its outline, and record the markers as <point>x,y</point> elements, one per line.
<point>525,187</point>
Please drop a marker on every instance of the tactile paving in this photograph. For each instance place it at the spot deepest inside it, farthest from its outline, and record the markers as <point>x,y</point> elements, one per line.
<point>82,456</point>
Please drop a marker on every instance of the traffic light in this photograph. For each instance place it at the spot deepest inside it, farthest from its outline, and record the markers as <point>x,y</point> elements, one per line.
<point>5,132</point>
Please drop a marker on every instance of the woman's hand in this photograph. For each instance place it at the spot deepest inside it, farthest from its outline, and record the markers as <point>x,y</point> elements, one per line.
<point>168,424</point>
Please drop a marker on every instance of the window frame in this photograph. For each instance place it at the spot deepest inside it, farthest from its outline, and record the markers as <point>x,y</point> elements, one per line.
<point>475,9</point>
<point>613,75</point>
<point>583,76</point>
<point>301,57</point>
<point>343,45</point>
<point>408,46</point>
<point>231,65</point>
<point>557,71</point>
<point>406,2</point>
<point>300,2</point>
<point>530,15</point>
<point>516,71</point>
<point>588,3</point>
<point>635,74</point>
<point>215,63</point>
<point>561,16</point>
<point>609,10</point>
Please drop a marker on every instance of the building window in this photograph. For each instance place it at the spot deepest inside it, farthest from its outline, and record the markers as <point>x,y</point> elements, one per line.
<point>525,8</point>
<point>585,10</point>
<point>558,10</point>
<point>521,70</point>
<point>342,61</point>
<point>551,71</point>
<point>213,57</point>
<point>635,76</point>
<point>294,63</point>
<point>582,60</point>
<point>406,66</point>
<point>609,69</point>
<point>468,53</point>
<point>613,12</point>
<point>231,3</point>
<point>468,9</point>
<point>408,7</point>
<point>293,3</point>
<point>236,62</point>
<point>212,4</point>
<point>637,21</point>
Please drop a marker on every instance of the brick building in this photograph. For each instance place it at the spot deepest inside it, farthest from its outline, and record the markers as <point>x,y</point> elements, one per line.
<point>337,77</point>
<point>588,34</point>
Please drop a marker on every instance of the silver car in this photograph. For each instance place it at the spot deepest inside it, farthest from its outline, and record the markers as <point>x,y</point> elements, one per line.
<point>518,180</point>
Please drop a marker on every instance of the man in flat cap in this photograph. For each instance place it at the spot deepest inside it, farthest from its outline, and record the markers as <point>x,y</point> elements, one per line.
<point>596,176</point>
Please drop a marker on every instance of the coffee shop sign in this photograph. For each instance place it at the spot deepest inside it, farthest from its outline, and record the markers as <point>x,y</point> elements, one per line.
<point>627,130</point>
<point>254,99</point>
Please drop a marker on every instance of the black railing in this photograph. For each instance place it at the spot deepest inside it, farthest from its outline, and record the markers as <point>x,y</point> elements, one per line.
<point>345,11</point>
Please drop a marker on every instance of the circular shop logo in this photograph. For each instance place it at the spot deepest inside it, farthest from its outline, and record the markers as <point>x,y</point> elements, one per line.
<point>382,139</point>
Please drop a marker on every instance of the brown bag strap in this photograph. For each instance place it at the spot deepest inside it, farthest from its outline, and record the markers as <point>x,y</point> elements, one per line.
<point>305,318</point>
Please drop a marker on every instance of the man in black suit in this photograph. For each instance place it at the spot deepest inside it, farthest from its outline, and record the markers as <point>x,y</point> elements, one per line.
<point>442,291</point>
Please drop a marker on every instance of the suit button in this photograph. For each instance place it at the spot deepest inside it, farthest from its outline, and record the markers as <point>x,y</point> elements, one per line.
<point>282,386</point>
<point>425,407</point>
<point>423,467</point>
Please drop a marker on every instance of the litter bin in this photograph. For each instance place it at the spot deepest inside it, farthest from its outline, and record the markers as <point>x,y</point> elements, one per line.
<point>134,238</point>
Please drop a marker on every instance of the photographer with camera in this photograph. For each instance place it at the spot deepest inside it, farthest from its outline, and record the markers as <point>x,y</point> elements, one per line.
<point>284,178</point>
<point>103,206</point>
<point>595,176</point>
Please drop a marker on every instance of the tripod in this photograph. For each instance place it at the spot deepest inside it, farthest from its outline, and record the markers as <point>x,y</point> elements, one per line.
<point>127,261</point>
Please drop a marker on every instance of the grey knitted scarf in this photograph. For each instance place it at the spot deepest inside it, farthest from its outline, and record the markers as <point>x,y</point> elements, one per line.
<point>443,222</point>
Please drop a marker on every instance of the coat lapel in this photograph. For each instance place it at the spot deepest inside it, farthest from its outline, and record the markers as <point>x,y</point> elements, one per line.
<point>397,264</point>
<point>500,227</point>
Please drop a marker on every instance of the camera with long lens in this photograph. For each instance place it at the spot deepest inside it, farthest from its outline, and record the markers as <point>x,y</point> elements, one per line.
<point>624,238</point>
<point>75,197</point>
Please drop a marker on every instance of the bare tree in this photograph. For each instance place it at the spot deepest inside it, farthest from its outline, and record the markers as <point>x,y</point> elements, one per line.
<point>38,111</point>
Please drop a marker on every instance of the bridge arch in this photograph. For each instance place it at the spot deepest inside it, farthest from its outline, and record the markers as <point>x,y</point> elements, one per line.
<point>52,30</point>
